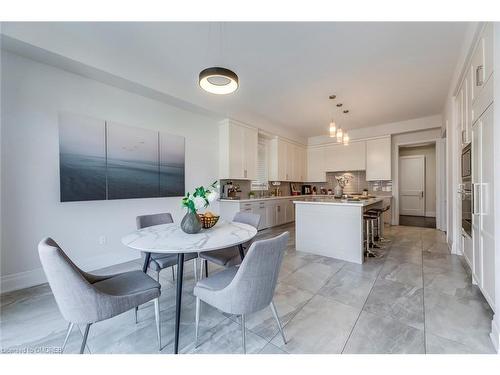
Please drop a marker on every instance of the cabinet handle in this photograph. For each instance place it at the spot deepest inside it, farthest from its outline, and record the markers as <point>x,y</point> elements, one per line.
<point>245,173</point>
<point>463,136</point>
<point>479,81</point>
<point>474,196</point>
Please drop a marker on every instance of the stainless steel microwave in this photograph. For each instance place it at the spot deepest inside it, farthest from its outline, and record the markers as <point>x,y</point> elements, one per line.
<point>466,163</point>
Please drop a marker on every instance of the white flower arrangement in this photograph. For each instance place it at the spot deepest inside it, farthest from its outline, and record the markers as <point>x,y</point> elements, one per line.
<point>343,180</point>
<point>200,198</point>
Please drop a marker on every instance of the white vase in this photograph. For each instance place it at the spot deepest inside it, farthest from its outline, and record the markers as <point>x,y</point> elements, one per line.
<point>338,191</point>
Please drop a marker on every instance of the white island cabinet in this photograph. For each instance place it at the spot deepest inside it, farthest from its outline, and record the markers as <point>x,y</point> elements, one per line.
<point>273,211</point>
<point>332,228</point>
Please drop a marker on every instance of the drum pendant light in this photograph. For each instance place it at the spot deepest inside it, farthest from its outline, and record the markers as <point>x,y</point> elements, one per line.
<point>217,80</point>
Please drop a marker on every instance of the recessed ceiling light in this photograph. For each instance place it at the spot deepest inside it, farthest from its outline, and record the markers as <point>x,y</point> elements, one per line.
<point>217,80</point>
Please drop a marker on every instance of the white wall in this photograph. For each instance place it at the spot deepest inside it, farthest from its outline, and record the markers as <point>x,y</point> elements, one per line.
<point>406,139</point>
<point>429,153</point>
<point>32,95</point>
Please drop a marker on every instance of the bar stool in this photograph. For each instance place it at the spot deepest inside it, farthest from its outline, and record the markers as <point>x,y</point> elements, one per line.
<point>369,221</point>
<point>380,222</point>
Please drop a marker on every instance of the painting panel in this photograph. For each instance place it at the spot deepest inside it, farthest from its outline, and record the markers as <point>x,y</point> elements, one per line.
<point>82,158</point>
<point>132,163</point>
<point>172,165</point>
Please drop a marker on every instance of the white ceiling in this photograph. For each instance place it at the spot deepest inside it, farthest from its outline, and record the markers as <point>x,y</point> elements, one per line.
<point>381,72</point>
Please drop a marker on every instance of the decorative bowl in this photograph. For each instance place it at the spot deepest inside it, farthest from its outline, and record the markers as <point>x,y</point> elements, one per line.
<point>208,222</point>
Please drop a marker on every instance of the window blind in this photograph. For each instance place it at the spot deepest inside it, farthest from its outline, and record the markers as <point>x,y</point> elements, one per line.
<point>261,183</point>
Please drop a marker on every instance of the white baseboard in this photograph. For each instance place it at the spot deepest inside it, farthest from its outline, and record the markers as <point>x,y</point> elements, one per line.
<point>430,213</point>
<point>495,334</point>
<point>34,277</point>
<point>22,280</point>
<point>455,249</point>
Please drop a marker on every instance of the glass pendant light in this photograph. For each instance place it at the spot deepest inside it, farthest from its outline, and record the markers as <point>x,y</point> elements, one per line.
<point>333,130</point>
<point>340,135</point>
<point>346,139</point>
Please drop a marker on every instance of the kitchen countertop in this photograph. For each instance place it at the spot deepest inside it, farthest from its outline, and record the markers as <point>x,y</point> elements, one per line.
<point>339,202</point>
<point>246,200</point>
<point>297,197</point>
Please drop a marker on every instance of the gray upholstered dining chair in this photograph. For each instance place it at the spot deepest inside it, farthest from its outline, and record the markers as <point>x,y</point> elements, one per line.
<point>231,255</point>
<point>160,261</point>
<point>248,288</point>
<point>84,298</point>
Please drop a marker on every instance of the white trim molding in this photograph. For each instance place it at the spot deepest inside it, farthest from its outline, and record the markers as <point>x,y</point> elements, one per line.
<point>440,168</point>
<point>26,279</point>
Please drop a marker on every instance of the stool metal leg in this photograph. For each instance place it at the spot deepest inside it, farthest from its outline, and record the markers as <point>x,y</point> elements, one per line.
<point>369,234</point>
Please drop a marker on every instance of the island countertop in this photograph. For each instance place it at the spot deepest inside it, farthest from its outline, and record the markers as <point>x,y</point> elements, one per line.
<point>339,202</point>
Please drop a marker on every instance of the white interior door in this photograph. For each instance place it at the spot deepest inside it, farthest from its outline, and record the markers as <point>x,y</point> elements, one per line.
<point>412,185</point>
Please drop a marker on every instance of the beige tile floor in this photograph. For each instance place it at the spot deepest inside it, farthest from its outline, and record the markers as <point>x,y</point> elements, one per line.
<point>415,298</point>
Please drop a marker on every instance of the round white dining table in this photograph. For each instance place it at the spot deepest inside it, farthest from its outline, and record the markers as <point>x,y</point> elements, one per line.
<point>170,239</point>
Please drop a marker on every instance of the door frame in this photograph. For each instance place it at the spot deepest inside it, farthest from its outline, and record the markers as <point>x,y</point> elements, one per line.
<point>422,157</point>
<point>440,171</point>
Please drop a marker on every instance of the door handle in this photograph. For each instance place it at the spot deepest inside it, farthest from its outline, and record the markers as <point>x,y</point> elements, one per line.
<point>421,194</point>
<point>479,81</point>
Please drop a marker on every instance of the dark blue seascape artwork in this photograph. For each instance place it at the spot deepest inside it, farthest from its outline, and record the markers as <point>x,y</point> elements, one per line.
<point>103,160</point>
<point>82,158</point>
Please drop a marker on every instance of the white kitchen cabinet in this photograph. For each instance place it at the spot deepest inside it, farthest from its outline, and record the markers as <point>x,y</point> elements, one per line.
<point>260,209</point>
<point>290,162</point>
<point>483,216</point>
<point>316,164</point>
<point>378,159</point>
<point>277,160</point>
<point>280,212</point>
<point>271,214</point>
<point>287,161</point>
<point>351,157</point>
<point>468,251</point>
<point>289,211</point>
<point>238,144</point>
<point>482,61</point>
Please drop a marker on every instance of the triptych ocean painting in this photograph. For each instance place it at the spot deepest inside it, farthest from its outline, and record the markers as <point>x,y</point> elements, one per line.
<point>103,160</point>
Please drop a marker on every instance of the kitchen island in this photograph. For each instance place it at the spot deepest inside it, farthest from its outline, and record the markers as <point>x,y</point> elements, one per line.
<point>332,227</point>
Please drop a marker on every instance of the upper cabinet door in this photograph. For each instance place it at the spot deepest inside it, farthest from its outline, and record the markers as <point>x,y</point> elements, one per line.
<point>482,61</point>
<point>286,161</point>
<point>251,142</point>
<point>378,159</point>
<point>277,160</point>
<point>238,146</point>
<point>351,157</point>
<point>290,162</point>
<point>235,154</point>
<point>488,50</point>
